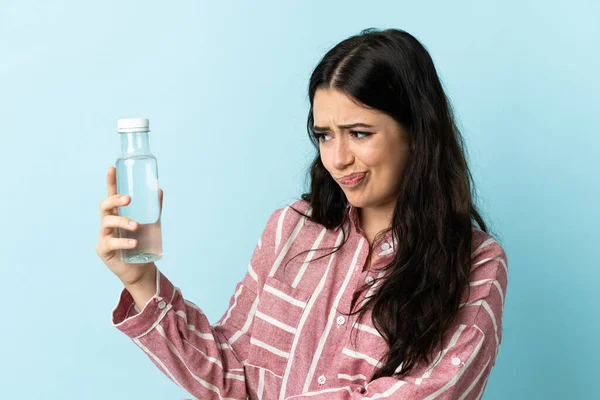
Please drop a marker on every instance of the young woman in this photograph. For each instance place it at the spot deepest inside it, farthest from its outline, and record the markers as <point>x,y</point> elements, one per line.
<point>377,284</point>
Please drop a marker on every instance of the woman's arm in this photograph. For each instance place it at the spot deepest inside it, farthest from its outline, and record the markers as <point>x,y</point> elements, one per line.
<point>207,361</point>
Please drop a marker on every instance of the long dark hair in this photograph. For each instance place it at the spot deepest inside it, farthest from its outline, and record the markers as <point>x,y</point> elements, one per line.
<point>416,301</point>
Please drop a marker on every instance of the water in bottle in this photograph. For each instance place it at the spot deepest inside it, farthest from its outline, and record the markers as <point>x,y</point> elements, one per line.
<point>137,177</point>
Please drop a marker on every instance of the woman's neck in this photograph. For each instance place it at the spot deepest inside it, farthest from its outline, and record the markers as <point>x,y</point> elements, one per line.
<point>374,220</point>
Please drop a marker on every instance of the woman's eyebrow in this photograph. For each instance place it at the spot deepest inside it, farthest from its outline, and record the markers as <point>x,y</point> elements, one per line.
<point>350,126</point>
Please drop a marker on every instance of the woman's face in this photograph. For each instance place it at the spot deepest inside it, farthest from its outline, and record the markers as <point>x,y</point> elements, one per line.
<point>354,139</point>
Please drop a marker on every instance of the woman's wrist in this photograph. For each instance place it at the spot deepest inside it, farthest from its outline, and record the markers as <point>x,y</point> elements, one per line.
<point>144,288</point>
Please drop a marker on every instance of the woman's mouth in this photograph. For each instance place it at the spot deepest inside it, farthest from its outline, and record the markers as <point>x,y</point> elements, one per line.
<point>353,179</point>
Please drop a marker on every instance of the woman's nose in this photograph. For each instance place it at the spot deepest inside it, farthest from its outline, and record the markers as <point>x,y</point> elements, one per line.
<point>342,156</point>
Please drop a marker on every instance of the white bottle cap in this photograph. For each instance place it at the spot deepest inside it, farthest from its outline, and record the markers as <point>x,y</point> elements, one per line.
<point>134,125</point>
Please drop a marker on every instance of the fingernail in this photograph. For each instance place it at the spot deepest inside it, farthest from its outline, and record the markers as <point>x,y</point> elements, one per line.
<point>124,198</point>
<point>132,242</point>
<point>132,223</point>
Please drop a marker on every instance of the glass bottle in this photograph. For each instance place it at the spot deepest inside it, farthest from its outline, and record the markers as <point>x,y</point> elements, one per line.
<point>137,177</point>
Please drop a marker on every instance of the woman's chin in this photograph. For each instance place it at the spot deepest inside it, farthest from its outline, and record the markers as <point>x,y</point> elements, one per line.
<point>356,202</point>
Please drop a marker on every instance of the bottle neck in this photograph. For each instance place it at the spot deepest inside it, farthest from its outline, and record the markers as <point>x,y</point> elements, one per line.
<point>135,143</point>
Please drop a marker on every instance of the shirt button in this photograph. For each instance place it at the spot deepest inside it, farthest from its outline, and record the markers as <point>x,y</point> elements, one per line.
<point>456,361</point>
<point>369,280</point>
<point>321,380</point>
<point>162,304</point>
<point>385,246</point>
<point>341,320</point>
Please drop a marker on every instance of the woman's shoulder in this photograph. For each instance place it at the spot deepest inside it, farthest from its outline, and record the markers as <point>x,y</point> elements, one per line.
<point>283,220</point>
<point>489,262</point>
<point>286,226</point>
<point>291,212</point>
<point>482,304</point>
<point>484,245</point>
<point>301,206</point>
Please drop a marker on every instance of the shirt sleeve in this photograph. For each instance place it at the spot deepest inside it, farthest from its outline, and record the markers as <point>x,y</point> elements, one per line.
<point>207,361</point>
<point>462,363</point>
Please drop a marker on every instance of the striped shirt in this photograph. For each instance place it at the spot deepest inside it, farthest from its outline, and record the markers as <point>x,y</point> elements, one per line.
<point>286,333</point>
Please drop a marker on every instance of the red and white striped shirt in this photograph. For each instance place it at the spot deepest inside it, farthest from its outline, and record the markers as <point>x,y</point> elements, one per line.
<point>286,334</point>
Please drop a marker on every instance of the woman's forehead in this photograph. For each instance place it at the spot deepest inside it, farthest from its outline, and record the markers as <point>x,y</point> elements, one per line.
<point>331,105</point>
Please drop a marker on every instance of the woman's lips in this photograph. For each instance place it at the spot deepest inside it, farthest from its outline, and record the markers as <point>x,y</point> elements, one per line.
<point>353,179</point>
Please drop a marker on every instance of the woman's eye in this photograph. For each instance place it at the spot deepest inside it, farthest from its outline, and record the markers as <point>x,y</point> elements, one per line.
<point>321,137</point>
<point>360,135</point>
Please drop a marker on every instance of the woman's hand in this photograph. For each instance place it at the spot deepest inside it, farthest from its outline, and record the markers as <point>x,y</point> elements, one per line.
<point>109,244</point>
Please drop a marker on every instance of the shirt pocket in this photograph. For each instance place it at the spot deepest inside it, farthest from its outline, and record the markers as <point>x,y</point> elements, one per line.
<point>277,317</point>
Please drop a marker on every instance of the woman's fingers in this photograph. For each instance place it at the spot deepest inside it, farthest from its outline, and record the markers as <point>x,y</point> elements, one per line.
<point>107,247</point>
<point>110,222</point>
<point>113,244</point>
<point>111,181</point>
<point>109,205</point>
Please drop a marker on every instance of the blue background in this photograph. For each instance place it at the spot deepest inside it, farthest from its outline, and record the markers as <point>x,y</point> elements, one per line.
<point>224,85</point>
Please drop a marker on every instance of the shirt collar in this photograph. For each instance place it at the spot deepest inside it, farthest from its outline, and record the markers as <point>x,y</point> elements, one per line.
<point>351,218</point>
